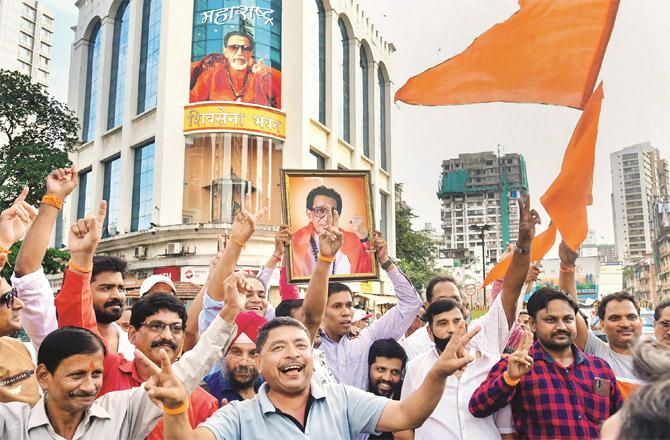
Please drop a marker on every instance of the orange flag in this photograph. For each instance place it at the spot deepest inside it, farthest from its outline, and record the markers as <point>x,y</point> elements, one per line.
<point>548,52</point>
<point>539,248</point>
<point>566,199</point>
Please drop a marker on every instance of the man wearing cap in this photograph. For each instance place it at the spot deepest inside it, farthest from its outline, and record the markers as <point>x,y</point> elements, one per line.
<point>238,378</point>
<point>158,284</point>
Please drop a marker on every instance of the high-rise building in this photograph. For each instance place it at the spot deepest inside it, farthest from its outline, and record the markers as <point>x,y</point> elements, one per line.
<point>27,28</point>
<point>480,189</point>
<point>638,182</point>
<point>190,108</point>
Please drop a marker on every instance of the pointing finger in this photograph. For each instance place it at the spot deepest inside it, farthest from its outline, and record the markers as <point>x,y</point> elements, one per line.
<point>102,211</point>
<point>145,362</point>
<point>166,365</point>
<point>22,196</point>
<point>336,219</point>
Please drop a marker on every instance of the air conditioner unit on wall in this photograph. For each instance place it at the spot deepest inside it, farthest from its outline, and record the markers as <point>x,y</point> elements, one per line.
<point>140,251</point>
<point>174,248</point>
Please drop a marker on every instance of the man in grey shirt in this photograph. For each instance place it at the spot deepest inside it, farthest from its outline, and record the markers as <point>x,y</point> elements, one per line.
<point>620,317</point>
<point>290,405</point>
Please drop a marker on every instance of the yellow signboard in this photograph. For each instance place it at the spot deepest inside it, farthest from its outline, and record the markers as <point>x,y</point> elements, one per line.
<point>234,117</point>
<point>366,287</point>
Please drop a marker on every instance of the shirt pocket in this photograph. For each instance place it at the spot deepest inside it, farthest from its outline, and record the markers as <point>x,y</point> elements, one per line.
<point>596,406</point>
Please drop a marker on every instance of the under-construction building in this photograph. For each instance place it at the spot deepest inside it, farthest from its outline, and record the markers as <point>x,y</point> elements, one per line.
<point>476,190</point>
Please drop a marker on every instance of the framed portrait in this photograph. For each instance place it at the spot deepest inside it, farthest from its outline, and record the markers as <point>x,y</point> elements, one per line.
<point>305,196</point>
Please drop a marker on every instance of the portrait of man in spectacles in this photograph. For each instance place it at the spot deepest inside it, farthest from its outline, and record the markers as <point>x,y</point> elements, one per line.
<point>353,257</point>
<point>236,75</point>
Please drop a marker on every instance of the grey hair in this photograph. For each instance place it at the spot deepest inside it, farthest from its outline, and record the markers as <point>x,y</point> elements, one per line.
<point>651,361</point>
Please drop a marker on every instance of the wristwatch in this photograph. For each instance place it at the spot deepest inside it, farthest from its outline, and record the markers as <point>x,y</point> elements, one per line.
<point>521,250</point>
<point>388,263</point>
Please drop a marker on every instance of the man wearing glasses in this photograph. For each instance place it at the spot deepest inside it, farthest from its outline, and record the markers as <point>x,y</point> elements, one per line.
<point>235,76</point>
<point>662,322</point>
<point>353,257</point>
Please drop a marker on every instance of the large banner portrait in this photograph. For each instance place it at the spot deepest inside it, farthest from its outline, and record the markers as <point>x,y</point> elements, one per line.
<point>236,58</point>
<point>306,197</point>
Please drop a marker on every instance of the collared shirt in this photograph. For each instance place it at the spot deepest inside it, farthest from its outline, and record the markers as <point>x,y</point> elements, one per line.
<point>38,316</point>
<point>348,358</point>
<point>553,401</point>
<point>218,386</point>
<point>337,412</point>
<point>417,343</point>
<point>620,363</point>
<point>451,418</point>
<point>125,347</point>
<point>122,415</point>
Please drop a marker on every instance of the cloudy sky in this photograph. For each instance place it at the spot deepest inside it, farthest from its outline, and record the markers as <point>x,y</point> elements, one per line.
<point>635,72</point>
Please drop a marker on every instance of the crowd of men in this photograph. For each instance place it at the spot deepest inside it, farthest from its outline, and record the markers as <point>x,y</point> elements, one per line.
<point>232,366</point>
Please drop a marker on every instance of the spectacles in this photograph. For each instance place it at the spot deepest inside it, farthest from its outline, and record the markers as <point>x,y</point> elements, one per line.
<point>159,327</point>
<point>321,211</point>
<point>8,298</point>
<point>665,324</point>
<point>236,47</point>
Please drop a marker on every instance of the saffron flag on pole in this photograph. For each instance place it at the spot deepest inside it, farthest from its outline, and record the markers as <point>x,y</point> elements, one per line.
<point>540,245</point>
<point>568,196</point>
<point>548,52</point>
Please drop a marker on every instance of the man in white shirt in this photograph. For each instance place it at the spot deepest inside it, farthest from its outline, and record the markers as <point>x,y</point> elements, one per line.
<point>451,419</point>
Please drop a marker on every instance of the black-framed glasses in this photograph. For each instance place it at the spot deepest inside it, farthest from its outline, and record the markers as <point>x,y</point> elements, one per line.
<point>176,328</point>
<point>8,298</point>
<point>321,211</point>
<point>236,47</point>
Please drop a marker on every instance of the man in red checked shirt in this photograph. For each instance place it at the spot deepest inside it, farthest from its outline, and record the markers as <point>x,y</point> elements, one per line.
<point>554,388</point>
<point>157,323</point>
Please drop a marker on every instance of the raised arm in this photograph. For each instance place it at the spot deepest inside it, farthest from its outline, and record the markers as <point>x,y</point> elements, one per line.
<point>314,306</point>
<point>243,228</point>
<point>74,303</point>
<point>566,281</point>
<point>282,239</point>
<point>14,222</point>
<point>518,270</point>
<point>413,411</point>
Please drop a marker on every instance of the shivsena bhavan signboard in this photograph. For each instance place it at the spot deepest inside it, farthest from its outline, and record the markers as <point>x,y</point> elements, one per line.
<point>235,81</point>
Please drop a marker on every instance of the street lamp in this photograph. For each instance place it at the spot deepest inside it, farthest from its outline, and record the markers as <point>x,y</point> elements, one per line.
<point>482,230</point>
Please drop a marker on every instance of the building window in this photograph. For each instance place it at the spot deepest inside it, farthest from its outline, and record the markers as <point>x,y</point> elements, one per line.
<point>221,170</point>
<point>29,12</point>
<point>44,61</point>
<point>345,117</point>
<point>93,64</point>
<point>119,58</point>
<point>382,119</point>
<point>45,48</point>
<point>46,35</point>
<point>143,186</point>
<point>24,68</point>
<point>26,40</point>
<point>366,103</point>
<point>318,60</point>
<point>318,161</point>
<point>27,26</point>
<point>25,54</point>
<point>84,198</point>
<point>110,193</point>
<point>383,217</point>
<point>48,21</point>
<point>149,55</point>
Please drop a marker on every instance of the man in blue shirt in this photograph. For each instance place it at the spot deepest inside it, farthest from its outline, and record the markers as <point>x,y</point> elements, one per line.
<point>239,378</point>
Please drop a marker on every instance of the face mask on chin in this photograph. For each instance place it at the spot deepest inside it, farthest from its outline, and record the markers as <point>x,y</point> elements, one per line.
<point>441,343</point>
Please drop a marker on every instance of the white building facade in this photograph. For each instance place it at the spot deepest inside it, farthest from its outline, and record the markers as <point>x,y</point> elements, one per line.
<point>171,191</point>
<point>27,28</point>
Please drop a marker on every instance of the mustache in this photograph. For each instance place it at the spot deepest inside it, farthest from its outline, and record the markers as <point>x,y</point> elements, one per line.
<point>113,302</point>
<point>244,369</point>
<point>164,343</point>
<point>81,394</point>
<point>561,332</point>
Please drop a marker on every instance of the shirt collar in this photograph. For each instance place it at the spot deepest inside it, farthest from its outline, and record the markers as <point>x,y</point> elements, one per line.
<point>316,391</point>
<point>129,367</point>
<point>38,414</point>
<point>539,353</point>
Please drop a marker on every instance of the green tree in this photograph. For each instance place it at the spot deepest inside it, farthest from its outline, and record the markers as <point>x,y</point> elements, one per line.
<point>36,134</point>
<point>54,261</point>
<point>415,249</point>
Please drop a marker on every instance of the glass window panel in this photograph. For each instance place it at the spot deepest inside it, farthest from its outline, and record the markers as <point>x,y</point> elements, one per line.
<point>149,55</point>
<point>118,74</point>
<point>85,197</point>
<point>365,125</point>
<point>143,185</point>
<point>383,217</point>
<point>110,192</point>
<point>221,169</point>
<point>92,68</point>
<point>345,122</point>
<point>382,119</point>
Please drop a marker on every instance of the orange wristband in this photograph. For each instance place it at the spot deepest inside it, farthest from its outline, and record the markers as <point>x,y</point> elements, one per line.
<point>326,259</point>
<point>276,257</point>
<point>4,250</point>
<point>53,200</point>
<point>567,268</point>
<point>509,381</point>
<point>181,409</point>
<point>73,266</point>
<point>237,242</point>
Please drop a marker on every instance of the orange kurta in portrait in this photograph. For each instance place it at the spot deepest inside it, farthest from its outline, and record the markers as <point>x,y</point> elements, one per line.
<point>303,258</point>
